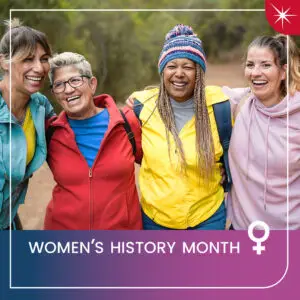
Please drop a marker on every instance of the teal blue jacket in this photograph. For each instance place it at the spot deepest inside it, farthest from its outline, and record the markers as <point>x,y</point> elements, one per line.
<point>41,109</point>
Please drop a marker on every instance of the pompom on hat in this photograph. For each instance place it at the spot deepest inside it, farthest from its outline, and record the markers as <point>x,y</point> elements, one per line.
<point>182,42</point>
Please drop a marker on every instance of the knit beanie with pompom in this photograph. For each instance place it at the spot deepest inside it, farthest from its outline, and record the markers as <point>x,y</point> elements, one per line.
<point>182,42</point>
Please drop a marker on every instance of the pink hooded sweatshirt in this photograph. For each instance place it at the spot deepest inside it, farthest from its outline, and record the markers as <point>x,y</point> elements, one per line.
<point>258,162</point>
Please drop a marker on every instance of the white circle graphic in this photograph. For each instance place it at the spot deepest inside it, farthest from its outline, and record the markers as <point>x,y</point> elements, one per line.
<point>264,226</point>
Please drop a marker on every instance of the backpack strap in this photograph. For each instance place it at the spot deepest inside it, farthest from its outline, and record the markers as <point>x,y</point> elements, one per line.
<point>137,108</point>
<point>49,133</point>
<point>49,130</point>
<point>129,132</point>
<point>222,114</point>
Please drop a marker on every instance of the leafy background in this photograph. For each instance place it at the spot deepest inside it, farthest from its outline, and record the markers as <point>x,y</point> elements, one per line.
<point>123,47</point>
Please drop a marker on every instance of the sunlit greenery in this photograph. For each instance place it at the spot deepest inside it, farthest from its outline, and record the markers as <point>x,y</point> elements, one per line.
<point>123,47</point>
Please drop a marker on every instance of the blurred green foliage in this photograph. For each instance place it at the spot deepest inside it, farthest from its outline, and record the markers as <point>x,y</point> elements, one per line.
<point>123,47</point>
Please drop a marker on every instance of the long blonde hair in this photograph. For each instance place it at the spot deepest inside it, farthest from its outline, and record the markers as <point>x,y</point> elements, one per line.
<point>294,67</point>
<point>204,140</point>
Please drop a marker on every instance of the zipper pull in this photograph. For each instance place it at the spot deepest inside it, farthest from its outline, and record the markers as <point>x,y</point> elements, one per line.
<point>90,173</point>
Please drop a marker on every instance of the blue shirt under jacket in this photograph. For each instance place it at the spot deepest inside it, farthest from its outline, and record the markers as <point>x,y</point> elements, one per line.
<point>89,134</point>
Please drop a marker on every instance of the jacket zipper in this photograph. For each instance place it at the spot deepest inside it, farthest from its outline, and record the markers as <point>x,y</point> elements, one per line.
<point>90,169</point>
<point>71,133</point>
<point>91,201</point>
<point>91,172</point>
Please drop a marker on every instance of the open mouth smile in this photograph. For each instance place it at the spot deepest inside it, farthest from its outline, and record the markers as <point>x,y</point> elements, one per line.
<point>34,78</point>
<point>259,82</point>
<point>179,84</point>
<point>73,98</point>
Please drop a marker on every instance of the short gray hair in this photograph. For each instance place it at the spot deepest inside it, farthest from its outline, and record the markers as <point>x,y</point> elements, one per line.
<point>69,59</point>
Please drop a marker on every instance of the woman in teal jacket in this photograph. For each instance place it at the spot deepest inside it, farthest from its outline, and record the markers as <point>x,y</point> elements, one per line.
<point>23,110</point>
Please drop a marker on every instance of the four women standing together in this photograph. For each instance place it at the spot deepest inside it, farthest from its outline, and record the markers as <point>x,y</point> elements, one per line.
<point>91,151</point>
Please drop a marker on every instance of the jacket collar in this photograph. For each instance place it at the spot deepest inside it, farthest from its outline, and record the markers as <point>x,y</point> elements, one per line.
<point>4,111</point>
<point>33,102</point>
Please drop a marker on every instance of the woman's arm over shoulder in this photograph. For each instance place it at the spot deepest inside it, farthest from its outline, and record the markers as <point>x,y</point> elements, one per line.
<point>49,109</point>
<point>135,105</point>
<point>138,98</point>
<point>49,121</point>
<point>137,131</point>
<point>43,100</point>
<point>236,96</point>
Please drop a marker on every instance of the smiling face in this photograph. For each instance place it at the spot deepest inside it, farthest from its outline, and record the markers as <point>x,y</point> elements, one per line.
<point>179,79</point>
<point>77,102</point>
<point>29,73</point>
<point>264,75</point>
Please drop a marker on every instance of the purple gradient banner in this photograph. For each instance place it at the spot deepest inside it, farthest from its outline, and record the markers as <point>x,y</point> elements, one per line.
<point>45,263</point>
<point>145,259</point>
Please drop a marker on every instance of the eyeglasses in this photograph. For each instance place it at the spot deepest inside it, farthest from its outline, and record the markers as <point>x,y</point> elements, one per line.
<point>74,82</point>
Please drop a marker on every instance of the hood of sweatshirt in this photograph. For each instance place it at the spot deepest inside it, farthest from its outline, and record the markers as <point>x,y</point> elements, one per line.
<point>289,105</point>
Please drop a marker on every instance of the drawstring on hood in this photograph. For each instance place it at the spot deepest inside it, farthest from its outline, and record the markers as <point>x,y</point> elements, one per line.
<point>262,196</point>
<point>266,166</point>
<point>248,134</point>
<point>277,111</point>
<point>254,103</point>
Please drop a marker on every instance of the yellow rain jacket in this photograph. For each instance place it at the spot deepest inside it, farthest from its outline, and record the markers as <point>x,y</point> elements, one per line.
<point>169,197</point>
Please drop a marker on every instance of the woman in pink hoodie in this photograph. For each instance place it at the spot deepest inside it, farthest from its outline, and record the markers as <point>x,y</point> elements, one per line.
<point>265,143</point>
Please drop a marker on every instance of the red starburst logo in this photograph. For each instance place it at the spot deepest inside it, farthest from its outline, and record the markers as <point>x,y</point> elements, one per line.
<point>284,15</point>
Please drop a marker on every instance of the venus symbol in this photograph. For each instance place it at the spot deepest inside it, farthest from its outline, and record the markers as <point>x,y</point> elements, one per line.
<point>259,224</point>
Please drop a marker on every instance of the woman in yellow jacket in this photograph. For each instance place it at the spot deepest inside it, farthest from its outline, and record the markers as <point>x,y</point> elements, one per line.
<point>180,172</point>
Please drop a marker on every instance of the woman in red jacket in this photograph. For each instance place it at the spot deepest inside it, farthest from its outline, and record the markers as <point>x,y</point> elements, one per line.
<point>90,154</point>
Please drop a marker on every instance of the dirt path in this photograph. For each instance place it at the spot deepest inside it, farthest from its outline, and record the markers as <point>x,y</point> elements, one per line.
<point>40,189</point>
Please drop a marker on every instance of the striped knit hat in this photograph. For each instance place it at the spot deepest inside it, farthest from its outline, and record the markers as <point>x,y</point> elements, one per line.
<point>182,42</point>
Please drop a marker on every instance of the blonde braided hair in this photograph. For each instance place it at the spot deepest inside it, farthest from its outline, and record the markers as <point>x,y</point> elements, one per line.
<point>204,140</point>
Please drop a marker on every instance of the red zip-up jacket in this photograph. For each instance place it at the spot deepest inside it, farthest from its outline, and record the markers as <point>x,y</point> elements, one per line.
<point>105,195</point>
